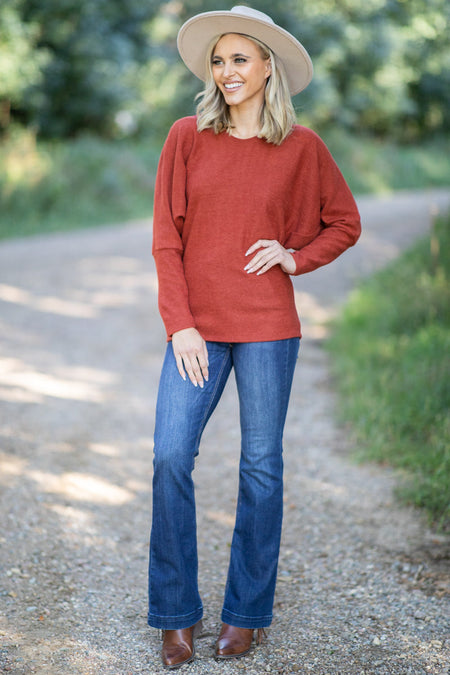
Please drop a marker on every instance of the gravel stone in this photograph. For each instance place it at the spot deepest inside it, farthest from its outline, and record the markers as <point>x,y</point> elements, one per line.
<point>363,582</point>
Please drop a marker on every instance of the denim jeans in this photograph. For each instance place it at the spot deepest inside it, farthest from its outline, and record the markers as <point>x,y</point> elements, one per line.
<point>264,372</point>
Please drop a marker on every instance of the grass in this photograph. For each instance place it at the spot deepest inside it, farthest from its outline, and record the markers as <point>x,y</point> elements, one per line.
<point>47,186</point>
<point>373,166</point>
<point>391,362</point>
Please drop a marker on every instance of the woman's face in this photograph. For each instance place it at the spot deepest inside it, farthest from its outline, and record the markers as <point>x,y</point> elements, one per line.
<point>239,70</point>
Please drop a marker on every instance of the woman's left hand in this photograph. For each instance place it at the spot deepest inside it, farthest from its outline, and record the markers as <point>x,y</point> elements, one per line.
<point>271,253</point>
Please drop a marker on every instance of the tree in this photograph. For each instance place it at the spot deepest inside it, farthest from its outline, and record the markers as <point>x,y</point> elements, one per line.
<point>92,45</point>
<point>20,59</point>
<point>382,66</point>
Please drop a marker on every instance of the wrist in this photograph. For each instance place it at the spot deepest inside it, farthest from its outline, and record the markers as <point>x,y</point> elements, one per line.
<point>289,265</point>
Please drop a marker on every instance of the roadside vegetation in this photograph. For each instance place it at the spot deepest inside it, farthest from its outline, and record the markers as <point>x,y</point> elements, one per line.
<point>48,185</point>
<point>391,363</point>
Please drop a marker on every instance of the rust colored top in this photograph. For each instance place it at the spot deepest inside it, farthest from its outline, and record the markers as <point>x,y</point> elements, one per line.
<point>215,196</point>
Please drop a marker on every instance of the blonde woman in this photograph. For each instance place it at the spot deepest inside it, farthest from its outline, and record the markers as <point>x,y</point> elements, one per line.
<point>244,199</point>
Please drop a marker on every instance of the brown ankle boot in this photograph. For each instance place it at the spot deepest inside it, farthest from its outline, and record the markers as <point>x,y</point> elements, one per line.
<point>234,642</point>
<point>178,645</point>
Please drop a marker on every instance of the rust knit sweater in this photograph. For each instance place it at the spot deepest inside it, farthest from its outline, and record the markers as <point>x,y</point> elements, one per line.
<point>215,196</point>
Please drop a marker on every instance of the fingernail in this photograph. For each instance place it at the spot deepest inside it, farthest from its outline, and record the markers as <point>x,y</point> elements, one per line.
<point>201,385</point>
<point>206,378</point>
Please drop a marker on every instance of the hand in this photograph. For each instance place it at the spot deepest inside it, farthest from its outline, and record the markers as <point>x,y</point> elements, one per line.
<point>271,253</point>
<point>191,353</point>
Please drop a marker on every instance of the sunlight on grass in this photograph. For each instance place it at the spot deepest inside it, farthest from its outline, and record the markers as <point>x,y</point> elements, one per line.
<point>390,360</point>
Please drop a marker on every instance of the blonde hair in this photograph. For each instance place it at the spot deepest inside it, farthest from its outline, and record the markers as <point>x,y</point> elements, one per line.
<point>277,113</point>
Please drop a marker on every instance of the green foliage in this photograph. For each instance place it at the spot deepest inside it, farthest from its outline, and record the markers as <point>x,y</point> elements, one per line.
<point>94,46</point>
<point>20,60</point>
<point>372,165</point>
<point>381,66</point>
<point>384,65</point>
<point>391,363</point>
<point>87,181</point>
<point>111,66</point>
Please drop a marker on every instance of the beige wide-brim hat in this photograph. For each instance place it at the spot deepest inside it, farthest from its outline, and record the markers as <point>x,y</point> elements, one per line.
<point>196,35</point>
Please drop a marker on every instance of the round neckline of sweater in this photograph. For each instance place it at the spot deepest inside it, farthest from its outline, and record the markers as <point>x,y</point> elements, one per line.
<point>243,140</point>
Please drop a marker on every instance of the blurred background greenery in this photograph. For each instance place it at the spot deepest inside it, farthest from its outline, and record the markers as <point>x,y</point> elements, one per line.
<point>89,89</point>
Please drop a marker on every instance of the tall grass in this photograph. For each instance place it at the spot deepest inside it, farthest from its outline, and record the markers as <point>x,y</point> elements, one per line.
<point>391,356</point>
<point>47,186</point>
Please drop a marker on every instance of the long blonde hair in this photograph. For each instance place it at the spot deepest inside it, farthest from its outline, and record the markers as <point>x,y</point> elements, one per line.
<point>277,113</point>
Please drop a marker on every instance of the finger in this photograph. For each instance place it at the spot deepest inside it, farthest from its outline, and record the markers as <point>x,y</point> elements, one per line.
<point>193,370</point>
<point>179,361</point>
<point>250,266</point>
<point>267,266</point>
<point>261,243</point>
<point>197,367</point>
<point>203,362</point>
<point>267,259</point>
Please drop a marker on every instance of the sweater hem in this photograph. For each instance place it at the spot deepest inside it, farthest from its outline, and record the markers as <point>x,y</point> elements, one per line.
<point>245,337</point>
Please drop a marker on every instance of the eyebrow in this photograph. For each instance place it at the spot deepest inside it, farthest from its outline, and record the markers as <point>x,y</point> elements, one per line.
<point>233,56</point>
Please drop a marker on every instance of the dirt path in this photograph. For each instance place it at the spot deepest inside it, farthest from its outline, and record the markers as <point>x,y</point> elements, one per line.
<point>362,583</point>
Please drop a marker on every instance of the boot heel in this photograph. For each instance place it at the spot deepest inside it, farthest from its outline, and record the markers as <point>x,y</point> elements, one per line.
<point>197,630</point>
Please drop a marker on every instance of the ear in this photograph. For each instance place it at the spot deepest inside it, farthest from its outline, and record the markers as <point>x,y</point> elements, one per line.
<point>268,68</point>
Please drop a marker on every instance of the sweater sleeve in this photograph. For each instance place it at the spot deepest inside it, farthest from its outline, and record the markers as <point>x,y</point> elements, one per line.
<point>340,225</point>
<point>168,219</point>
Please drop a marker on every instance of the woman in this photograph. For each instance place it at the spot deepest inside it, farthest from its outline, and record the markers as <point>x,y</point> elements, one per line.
<point>244,198</point>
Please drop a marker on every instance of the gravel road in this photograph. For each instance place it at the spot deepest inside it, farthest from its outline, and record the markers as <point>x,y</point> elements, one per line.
<point>363,583</point>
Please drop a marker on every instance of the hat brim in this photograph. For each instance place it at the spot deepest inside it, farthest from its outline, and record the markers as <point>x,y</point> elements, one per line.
<point>196,35</point>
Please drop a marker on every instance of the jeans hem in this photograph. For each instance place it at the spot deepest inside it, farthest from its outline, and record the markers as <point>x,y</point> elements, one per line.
<point>246,621</point>
<point>175,622</point>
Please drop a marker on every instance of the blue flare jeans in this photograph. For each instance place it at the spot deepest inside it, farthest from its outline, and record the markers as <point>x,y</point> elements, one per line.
<point>264,373</point>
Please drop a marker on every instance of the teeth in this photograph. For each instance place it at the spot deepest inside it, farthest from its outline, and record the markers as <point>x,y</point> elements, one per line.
<point>233,85</point>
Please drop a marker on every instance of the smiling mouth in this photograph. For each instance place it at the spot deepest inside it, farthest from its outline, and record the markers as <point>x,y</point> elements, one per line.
<point>233,85</point>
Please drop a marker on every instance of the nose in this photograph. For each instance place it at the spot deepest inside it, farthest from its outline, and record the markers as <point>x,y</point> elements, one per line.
<point>228,69</point>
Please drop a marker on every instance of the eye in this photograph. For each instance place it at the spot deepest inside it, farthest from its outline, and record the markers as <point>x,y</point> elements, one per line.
<point>240,59</point>
<point>217,62</point>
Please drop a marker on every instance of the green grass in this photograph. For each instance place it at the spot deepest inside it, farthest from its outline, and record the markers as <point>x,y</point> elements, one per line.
<point>380,166</point>
<point>47,186</point>
<point>391,361</point>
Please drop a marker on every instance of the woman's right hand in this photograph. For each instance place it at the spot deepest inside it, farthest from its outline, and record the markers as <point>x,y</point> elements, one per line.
<point>191,355</point>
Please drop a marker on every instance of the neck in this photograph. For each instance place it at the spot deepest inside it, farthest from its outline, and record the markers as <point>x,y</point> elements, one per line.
<point>245,123</point>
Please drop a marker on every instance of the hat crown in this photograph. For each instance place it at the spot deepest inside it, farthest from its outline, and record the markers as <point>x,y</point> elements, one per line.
<point>252,13</point>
